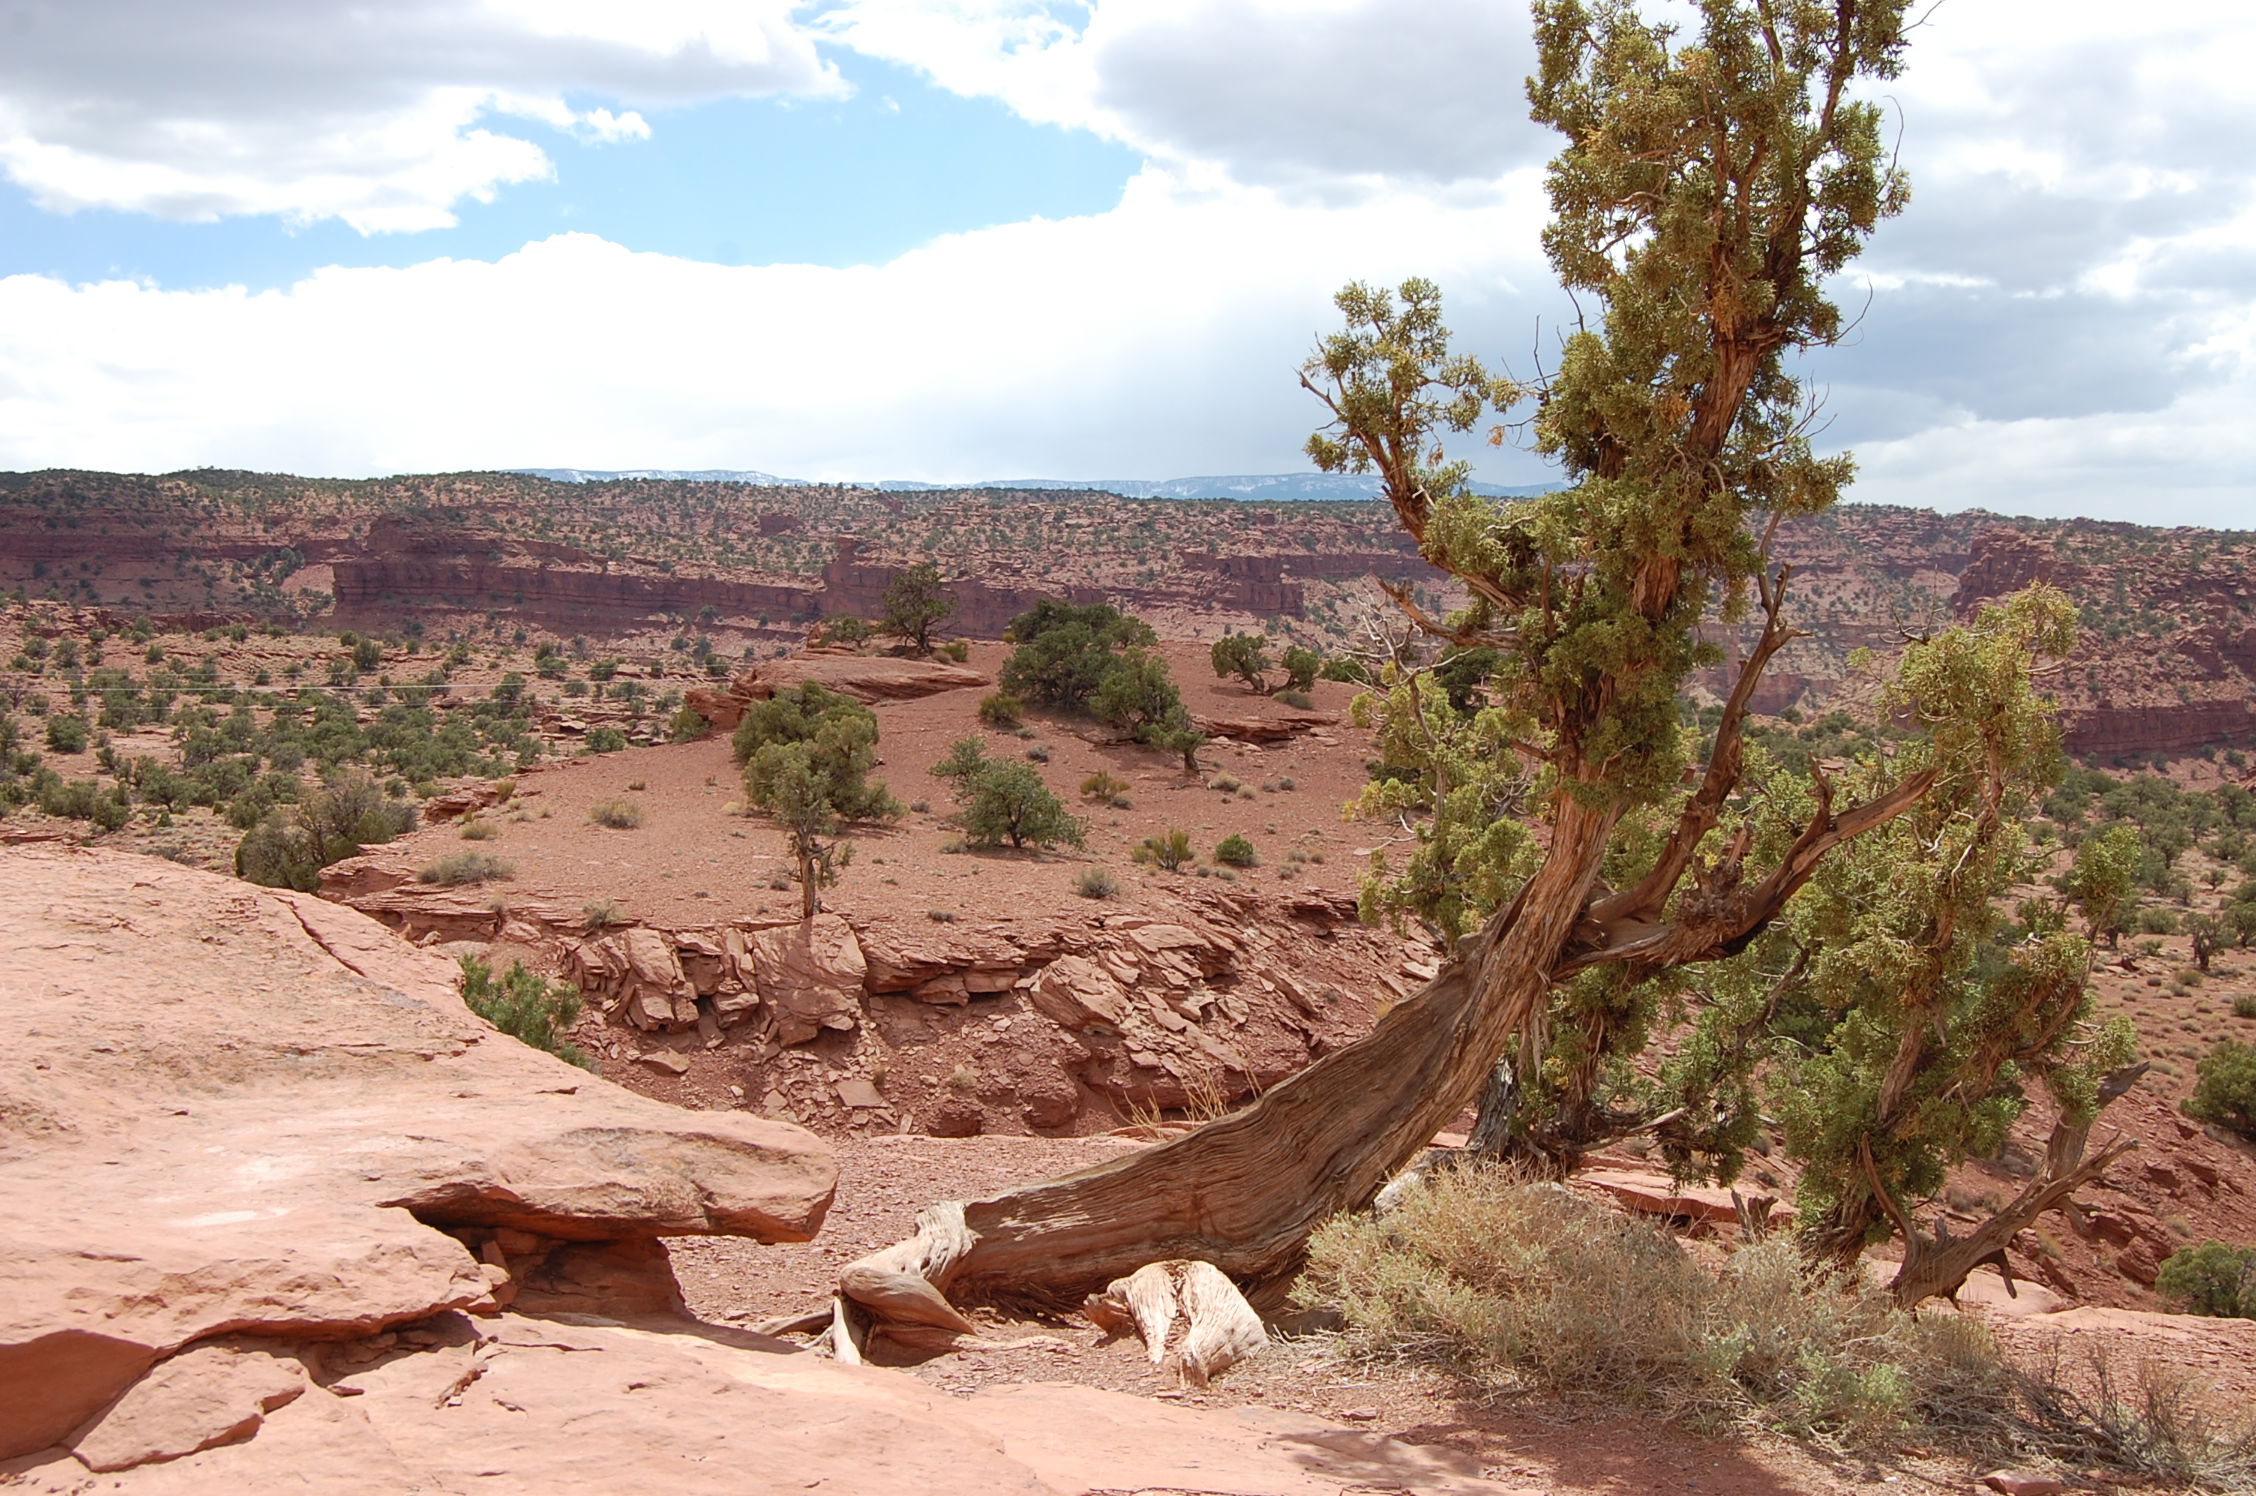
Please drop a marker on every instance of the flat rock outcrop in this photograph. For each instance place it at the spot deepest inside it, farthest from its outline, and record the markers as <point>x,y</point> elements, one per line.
<point>510,1403</point>
<point>228,1110</point>
<point>866,678</point>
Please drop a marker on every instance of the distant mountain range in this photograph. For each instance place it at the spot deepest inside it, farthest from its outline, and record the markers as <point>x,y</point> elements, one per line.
<point>1270,486</point>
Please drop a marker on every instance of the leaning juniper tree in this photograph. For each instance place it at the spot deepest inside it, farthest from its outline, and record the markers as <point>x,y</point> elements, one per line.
<point>1709,185</point>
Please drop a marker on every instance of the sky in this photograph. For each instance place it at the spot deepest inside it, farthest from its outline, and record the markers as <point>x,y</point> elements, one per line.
<point>971,239</point>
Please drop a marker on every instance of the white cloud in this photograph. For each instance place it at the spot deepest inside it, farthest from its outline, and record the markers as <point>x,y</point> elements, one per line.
<point>1316,94</point>
<point>1160,337</point>
<point>381,116</point>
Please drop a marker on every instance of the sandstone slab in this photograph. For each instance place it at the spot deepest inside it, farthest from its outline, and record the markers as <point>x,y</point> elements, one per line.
<point>229,1109</point>
<point>566,1406</point>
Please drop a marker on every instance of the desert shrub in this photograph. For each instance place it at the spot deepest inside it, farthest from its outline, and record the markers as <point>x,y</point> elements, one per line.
<point>999,800</point>
<point>1300,699</point>
<point>476,829</point>
<point>290,847</point>
<point>1341,668</point>
<point>66,734</point>
<point>841,738</point>
<point>1105,789</point>
<point>1038,754</point>
<point>2212,1278</point>
<point>619,815</point>
<point>1170,850</point>
<point>688,726</point>
<point>2244,1006</point>
<point>1228,784</point>
<point>525,1007</point>
<point>958,650</point>
<point>605,740</point>
<point>1245,656</point>
<point>1236,851</point>
<point>2224,1089</point>
<point>602,914</point>
<point>1524,1285</point>
<point>1096,883</point>
<point>1001,709</point>
<point>1065,652</point>
<point>1302,666</point>
<point>458,869</point>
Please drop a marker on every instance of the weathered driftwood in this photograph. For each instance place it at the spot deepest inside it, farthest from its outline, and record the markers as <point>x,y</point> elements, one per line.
<point>1220,1327</point>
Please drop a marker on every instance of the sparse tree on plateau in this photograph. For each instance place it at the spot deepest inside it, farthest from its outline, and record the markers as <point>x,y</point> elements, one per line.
<point>1712,179</point>
<point>788,782</point>
<point>1245,656</point>
<point>914,605</point>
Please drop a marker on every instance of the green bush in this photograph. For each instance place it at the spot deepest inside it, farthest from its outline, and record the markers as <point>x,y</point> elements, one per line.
<point>525,1007</point>
<point>619,815</point>
<point>2224,1090</point>
<point>66,734</point>
<point>2244,1006</point>
<point>1096,883</point>
<point>457,869</point>
<point>1001,709</point>
<point>2213,1279</point>
<point>1236,851</point>
<point>1000,800</point>
<point>1300,700</point>
<point>841,737</point>
<point>606,740</point>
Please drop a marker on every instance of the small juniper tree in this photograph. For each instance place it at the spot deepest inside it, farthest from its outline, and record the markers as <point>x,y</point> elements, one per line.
<point>915,603</point>
<point>790,783</point>
<point>1004,800</point>
<point>1245,656</point>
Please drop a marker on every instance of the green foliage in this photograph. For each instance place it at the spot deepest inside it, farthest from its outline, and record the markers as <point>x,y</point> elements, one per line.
<point>1065,652</point>
<point>842,734</point>
<point>1301,665</point>
<point>2224,1089</point>
<point>1236,851</point>
<point>606,740</point>
<point>1245,656</point>
<point>525,1007</point>
<point>459,869</point>
<point>1927,1008</point>
<point>1001,800</point>
<point>1455,774</point>
<point>618,815</point>
<point>66,734</point>
<point>793,782</point>
<point>914,605</point>
<point>2212,1278</point>
<point>1170,850</point>
<point>1137,697</point>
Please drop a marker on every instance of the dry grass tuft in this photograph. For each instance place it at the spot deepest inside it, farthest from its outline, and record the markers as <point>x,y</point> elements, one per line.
<point>1520,1286</point>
